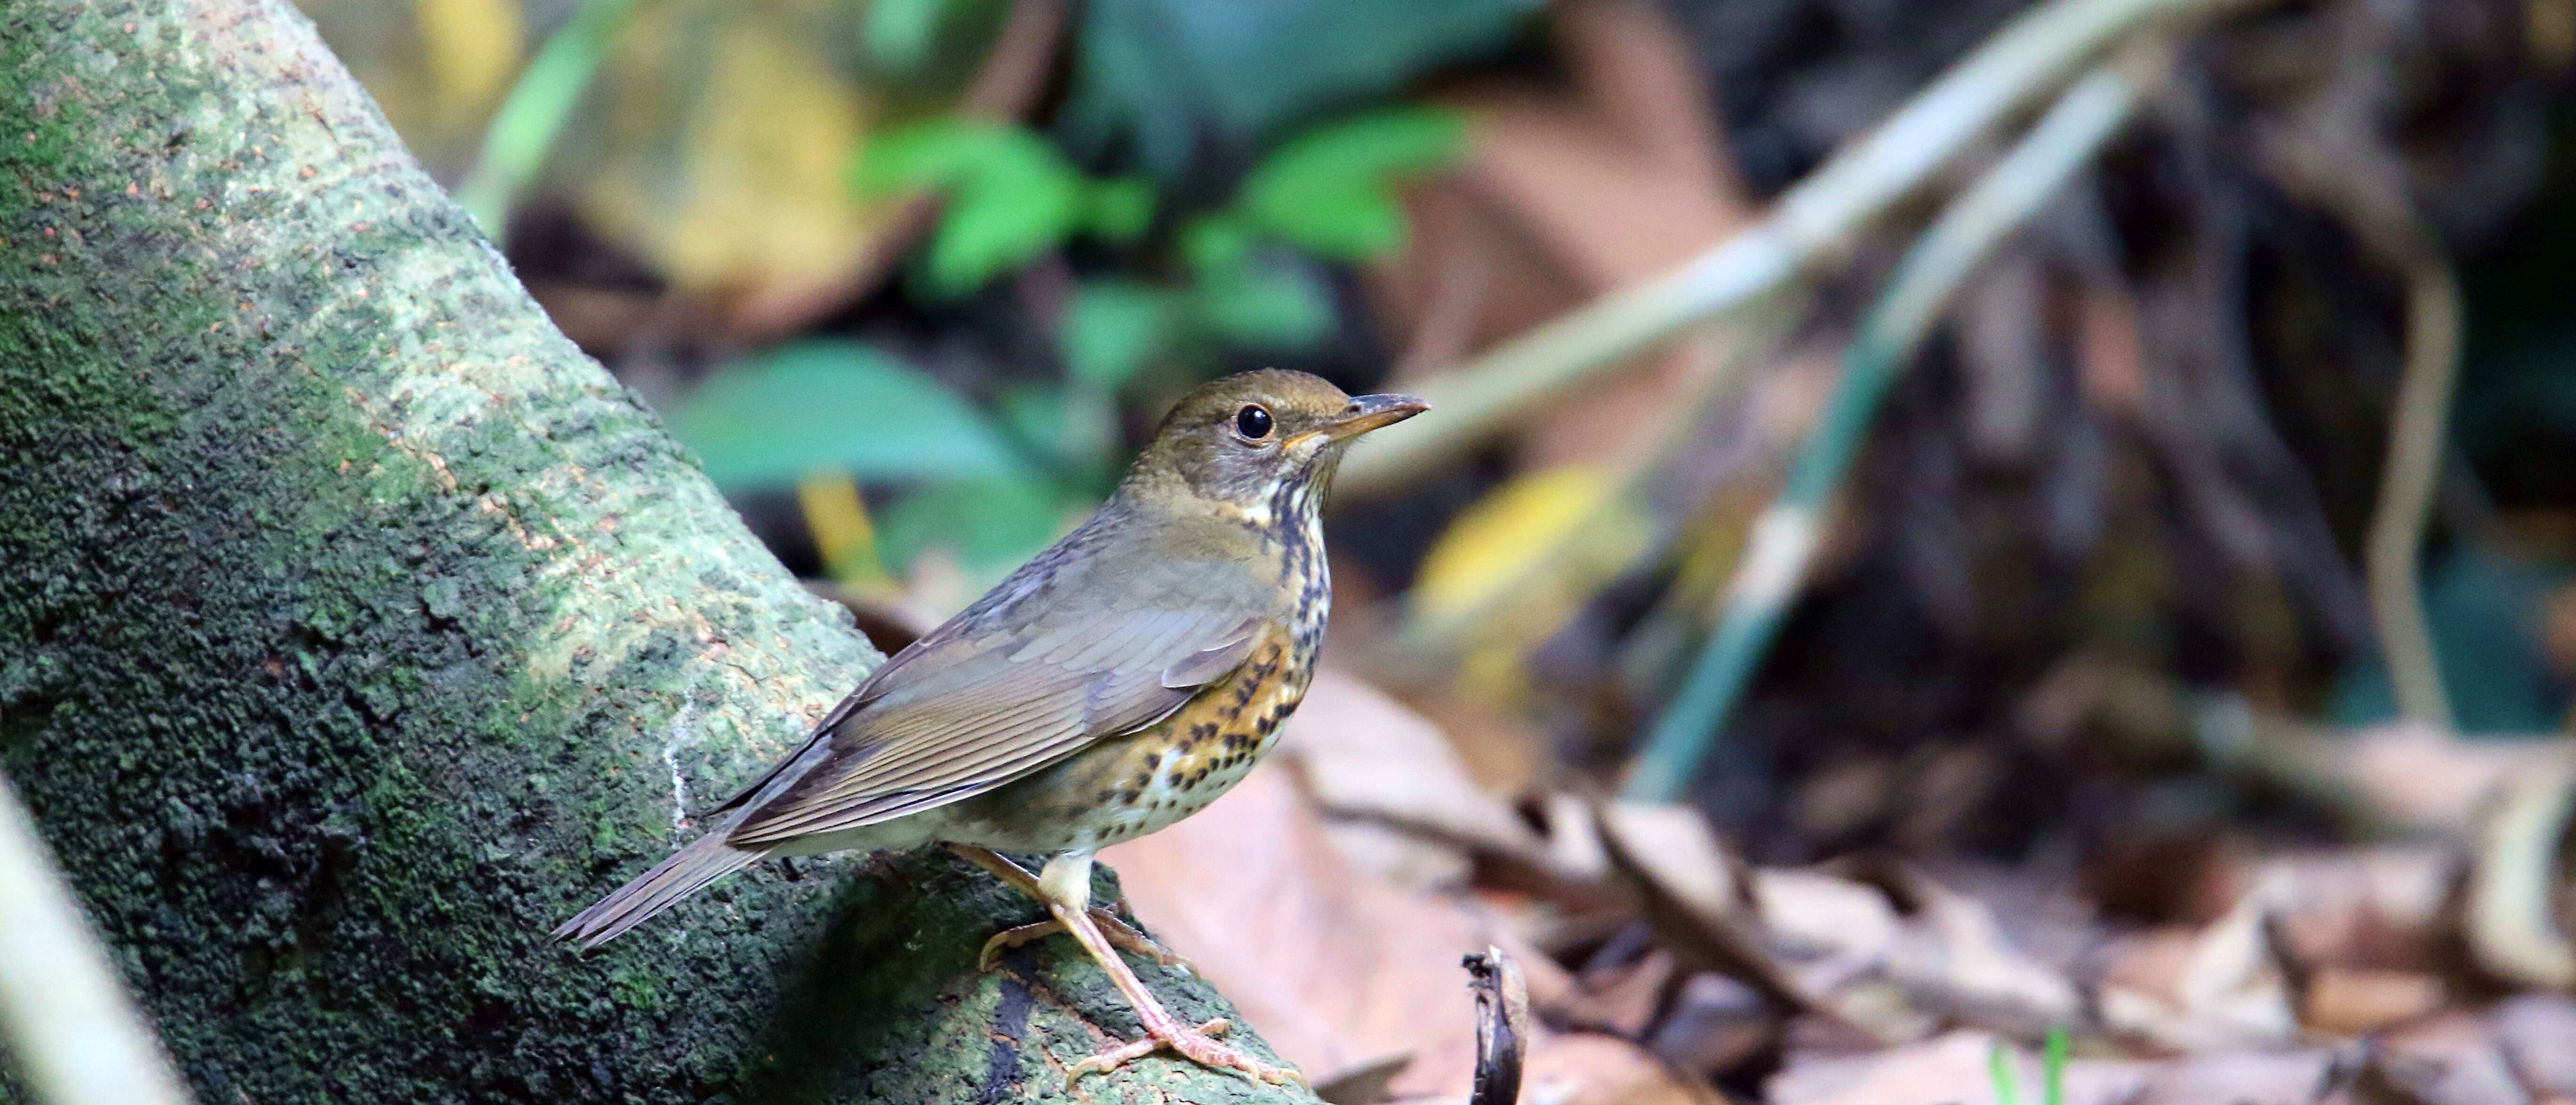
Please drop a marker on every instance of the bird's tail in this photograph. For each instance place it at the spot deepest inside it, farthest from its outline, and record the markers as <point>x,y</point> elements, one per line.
<point>705,860</point>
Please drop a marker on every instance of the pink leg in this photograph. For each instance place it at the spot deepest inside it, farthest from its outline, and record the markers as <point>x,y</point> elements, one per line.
<point>1119,933</point>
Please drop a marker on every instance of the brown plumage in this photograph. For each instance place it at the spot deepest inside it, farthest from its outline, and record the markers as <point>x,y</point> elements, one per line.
<point>1111,686</point>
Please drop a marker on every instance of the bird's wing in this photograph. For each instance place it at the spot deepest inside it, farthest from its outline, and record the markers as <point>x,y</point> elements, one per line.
<point>984,700</point>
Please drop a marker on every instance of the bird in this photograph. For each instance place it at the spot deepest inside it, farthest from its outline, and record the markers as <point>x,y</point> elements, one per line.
<point>1114,684</point>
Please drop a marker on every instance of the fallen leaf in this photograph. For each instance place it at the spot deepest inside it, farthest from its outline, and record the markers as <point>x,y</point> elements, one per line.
<point>2358,1001</point>
<point>1365,755</point>
<point>2242,1078</point>
<point>2451,1060</point>
<point>1946,1070</point>
<point>2200,988</point>
<point>1338,969</point>
<point>2535,1031</point>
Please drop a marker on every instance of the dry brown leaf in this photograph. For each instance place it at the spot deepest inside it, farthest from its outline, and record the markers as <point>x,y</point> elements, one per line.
<point>1715,1026</point>
<point>2385,906</point>
<point>2450,1060</point>
<point>1954,959</point>
<point>1946,1070</point>
<point>2220,986</point>
<point>1621,1000</point>
<point>1336,969</point>
<point>2357,1001</point>
<point>2538,1032</point>
<point>1696,895</point>
<point>1584,1068</point>
<point>2242,1078</point>
<point>1365,755</point>
<point>1341,971</point>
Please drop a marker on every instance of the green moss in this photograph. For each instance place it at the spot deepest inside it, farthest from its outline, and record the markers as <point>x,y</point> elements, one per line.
<point>354,624</point>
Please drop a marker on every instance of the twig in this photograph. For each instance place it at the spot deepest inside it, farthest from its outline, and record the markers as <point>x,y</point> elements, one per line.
<point>1807,227</point>
<point>1502,1026</point>
<point>525,126</point>
<point>2509,924</point>
<point>1784,537</point>
<point>2393,555</point>
<point>63,1012</point>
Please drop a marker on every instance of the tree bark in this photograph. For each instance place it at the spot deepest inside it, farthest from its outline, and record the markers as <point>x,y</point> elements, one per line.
<point>355,628</point>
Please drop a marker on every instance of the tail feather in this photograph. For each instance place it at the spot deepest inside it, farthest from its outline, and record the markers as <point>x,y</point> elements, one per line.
<point>705,860</point>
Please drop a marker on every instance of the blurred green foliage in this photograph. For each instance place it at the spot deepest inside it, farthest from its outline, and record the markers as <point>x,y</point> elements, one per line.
<point>1177,281</point>
<point>1159,75</point>
<point>1007,197</point>
<point>993,485</point>
<point>832,405</point>
<point>1331,192</point>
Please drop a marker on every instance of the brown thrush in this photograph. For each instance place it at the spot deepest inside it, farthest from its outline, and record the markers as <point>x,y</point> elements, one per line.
<point>1112,686</point>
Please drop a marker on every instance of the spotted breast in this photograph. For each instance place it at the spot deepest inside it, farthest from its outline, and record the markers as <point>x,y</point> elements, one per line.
<point>1125,787</point>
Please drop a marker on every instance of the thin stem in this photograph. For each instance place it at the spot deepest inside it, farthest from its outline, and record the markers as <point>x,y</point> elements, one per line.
<point>63,1012</point>
<point>525,126</point>
<point>2394,553</point>
<point>1809,226</point>
<point>1784,537</point>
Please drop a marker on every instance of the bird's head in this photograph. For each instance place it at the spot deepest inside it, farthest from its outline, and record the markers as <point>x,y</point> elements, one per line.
<point>1248,438</point>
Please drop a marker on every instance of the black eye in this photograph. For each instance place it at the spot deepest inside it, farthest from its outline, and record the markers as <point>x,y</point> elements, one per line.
<point>1252,422</point>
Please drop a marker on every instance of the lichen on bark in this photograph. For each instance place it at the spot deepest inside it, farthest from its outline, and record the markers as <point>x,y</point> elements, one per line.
<point>355,627</point>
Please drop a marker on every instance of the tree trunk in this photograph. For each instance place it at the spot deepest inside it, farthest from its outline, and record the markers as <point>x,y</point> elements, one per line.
<point>355,628</point>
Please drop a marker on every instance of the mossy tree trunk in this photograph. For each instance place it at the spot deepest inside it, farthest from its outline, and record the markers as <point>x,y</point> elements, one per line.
<point>354,628</point>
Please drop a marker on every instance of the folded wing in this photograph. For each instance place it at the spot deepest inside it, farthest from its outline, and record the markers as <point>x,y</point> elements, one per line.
<point>976,704</point>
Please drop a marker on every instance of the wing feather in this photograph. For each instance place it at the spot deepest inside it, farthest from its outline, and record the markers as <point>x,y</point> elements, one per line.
<point>974,705</point>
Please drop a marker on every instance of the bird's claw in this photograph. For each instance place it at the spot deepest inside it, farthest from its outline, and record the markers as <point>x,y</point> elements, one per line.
<point>1119,933</point>
<point>1198,1045</point>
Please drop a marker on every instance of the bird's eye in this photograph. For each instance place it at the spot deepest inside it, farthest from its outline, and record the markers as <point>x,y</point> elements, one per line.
<point>1252,422</point>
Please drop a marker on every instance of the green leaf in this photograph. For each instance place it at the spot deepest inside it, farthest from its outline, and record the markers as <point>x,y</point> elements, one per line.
<point>2052,1067</point>
<point>1999,1073</point>
<point>1161,77</point>
<point>1009,197</point>
<point>1266,304</point>
<point>899,33</point>
<point>834,406</point>
<point>1215,243</point>
<point>1112,328</point>
<point>1000,220</point>
<point>1119,210</point>
<point>1330,190</point>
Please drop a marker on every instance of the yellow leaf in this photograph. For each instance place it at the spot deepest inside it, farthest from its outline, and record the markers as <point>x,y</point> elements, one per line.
<point>471,50</point>
<point>1512,569</point>
<point>1495,543</point>
<point>726,140</point>
<point>837,517</point>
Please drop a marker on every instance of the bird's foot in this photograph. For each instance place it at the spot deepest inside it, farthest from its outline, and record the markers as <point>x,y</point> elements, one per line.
<point>1120,933</point>
<point>1198,1045</point>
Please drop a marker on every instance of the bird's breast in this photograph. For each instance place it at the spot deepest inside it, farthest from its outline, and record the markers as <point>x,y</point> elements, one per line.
<point>1126,787</point>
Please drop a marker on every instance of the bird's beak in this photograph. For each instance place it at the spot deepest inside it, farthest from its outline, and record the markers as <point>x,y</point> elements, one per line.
<point>1368,412</point>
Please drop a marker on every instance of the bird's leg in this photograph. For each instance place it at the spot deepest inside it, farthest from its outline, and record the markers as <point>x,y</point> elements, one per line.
<point>1018,878</point>
<point>1066,886</point>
